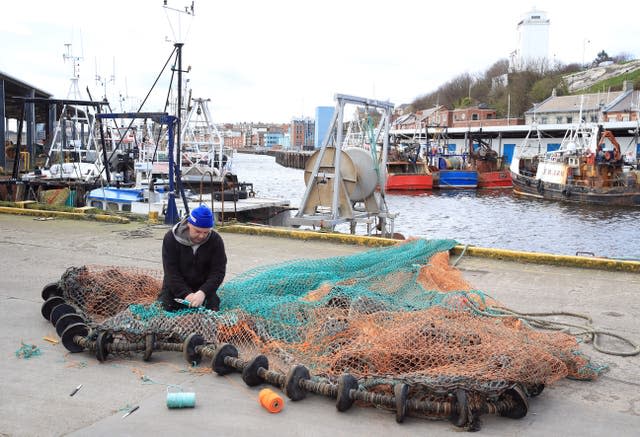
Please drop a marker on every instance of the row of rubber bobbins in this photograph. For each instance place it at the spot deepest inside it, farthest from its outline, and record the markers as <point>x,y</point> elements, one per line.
<point>74,333</point>
<point>297,382</point>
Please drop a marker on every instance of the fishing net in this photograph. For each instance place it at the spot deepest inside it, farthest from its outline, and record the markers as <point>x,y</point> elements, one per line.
<point>56,197</point>
<point>386,315</point>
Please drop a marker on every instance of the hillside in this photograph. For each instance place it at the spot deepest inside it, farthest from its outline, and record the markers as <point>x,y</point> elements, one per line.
<point>513,93</point>
<point>602,78</point>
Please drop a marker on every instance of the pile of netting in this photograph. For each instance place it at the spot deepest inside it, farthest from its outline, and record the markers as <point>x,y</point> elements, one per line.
<point>397,314</point>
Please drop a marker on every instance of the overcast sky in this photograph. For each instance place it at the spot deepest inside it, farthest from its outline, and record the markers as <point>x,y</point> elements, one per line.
<point>261,60</point>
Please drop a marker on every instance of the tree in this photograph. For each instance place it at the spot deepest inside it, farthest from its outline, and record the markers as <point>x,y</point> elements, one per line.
<point>545,86</point>
<point>601,57</point>
<point>533,84</point>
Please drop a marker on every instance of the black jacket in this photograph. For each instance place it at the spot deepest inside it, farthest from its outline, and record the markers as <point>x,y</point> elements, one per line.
<point>186,272</point>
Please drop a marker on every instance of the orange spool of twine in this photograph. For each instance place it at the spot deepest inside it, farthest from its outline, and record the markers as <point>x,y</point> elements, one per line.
<point>270,400</point>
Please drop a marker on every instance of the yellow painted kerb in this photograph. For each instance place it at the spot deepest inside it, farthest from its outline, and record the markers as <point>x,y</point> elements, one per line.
<point>484,252</point>
<point>64,214</point>
<point>549,258</point>
<point>362,240</point>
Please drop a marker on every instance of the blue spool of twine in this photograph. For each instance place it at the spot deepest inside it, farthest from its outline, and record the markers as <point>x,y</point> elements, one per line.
<point>181,400</point>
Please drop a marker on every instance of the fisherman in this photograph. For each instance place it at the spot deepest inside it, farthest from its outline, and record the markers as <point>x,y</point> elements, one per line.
<point>194,263</point>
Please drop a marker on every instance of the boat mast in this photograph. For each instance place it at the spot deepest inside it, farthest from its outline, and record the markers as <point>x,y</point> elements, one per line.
<point>189,10</point>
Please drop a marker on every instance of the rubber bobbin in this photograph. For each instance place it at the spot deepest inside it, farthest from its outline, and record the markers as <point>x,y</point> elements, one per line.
<point>149,344</point>
<point>59,311</point>
<point>223,351</point>
<point>534,389</point>
<point>189,348</point>
<point>50,290</point>
<point>66,320</point>
<point>346,383</point>
<point>521,406</point>
<point>401,392</point>
<point>49,305</point>
<point>71,331</point>
<point>250,372</point>
<point>460,416</point>
<point>105,338</point>
<point>291,384</point>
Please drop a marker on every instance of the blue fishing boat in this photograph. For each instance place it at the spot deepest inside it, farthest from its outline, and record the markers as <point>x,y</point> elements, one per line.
<point>454,172</point>
<point>114,199</point>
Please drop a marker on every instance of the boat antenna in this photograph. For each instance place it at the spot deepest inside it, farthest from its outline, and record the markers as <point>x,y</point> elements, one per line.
<point>74,91</point>
<point>187,10</point>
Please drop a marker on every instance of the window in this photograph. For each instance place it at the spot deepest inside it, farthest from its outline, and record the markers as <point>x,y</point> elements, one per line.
<point>543,120</point>
<point>558,120</point>
<point>569,119</point>
<point>474,116</point>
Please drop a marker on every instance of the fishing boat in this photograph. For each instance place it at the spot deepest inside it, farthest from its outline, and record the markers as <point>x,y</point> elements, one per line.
<point>587,167</point>
<point>487,163</point>
<point>408,170</point>
<point>206,164</point>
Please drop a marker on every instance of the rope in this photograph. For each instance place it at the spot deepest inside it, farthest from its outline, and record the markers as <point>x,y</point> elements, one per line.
<point>537,321</point>
<point>455,263</point>
<point>372,144</point>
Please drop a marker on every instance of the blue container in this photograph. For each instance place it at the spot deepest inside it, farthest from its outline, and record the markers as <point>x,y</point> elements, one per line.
<point>457,179</point>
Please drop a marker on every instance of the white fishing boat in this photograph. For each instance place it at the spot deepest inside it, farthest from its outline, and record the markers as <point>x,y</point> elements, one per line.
<point>587,167</point>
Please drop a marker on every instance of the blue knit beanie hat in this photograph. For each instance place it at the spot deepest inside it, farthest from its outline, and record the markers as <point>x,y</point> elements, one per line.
<point>201,217</point>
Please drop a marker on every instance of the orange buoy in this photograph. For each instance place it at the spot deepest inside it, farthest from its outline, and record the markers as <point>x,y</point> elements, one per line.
<point>270,400</point>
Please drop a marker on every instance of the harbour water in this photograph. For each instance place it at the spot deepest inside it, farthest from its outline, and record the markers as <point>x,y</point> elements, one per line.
<point>489,218</point>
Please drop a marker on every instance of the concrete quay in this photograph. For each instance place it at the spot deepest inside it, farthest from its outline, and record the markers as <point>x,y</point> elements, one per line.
<point>34,396</point>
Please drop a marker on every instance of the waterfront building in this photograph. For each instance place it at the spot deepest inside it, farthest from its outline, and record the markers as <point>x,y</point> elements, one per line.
<point>233,138</point>
<point>439,116</point>
<point>324,114</point>
<point>273,140</point>
<point>566,109</point>
<point>472,116</point>
<point>625,107</point>
<point>406,121</point>
<point>301,132</point>
<point>436,116</point>
<point>286,140</point>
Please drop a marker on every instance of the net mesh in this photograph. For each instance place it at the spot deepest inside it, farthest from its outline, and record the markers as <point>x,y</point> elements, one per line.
<point>386,315</point>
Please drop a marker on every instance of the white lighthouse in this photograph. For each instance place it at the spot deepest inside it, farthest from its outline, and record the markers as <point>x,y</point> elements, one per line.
<point>533,41</point>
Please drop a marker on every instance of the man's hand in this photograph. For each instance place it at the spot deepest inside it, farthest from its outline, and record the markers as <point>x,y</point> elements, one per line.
<point>196,299</point>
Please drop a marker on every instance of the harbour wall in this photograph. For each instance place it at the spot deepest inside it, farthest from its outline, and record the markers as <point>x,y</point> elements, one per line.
<point>286,158</point>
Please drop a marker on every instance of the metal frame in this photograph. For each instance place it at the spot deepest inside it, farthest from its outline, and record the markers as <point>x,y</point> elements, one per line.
<point>334,139</point>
